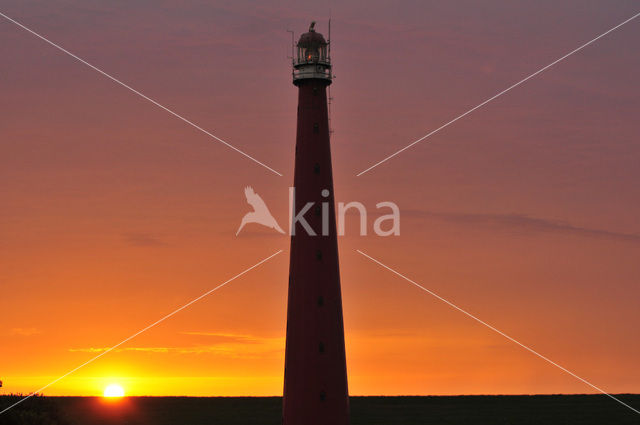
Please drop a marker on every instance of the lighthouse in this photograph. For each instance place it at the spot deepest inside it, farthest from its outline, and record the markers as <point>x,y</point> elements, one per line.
<point>315,375</point>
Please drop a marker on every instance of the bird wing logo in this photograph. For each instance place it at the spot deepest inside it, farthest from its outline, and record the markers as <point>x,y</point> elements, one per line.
<point>260,213</point>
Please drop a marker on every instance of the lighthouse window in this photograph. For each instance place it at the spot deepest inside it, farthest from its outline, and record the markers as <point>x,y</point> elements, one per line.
<point>321,347</point>
<point>323,396</point>
<point>316,127</point>
<point>320,301</point>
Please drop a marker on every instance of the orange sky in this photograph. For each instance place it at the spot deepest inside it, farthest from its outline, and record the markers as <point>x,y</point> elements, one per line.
<point>525,213</point>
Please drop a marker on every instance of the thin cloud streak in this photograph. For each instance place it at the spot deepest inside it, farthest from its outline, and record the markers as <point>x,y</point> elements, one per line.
<point>25,331</point>
<point>252,350</point>
<point>525,223</point>
<point>237,338</point>
<point>142,239</point>
<point>225,343</point>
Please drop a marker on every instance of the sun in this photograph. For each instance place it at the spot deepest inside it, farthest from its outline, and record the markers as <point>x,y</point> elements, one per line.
<point>114,390</point>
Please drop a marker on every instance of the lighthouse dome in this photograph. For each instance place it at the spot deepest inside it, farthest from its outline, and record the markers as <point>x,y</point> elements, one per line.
<point>311,39</point>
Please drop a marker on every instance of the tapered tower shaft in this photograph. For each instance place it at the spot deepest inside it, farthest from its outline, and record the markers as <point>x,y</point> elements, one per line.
<point>315,387</point>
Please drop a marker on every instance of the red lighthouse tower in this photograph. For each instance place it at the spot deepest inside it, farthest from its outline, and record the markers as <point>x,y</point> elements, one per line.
<point>315,376</point>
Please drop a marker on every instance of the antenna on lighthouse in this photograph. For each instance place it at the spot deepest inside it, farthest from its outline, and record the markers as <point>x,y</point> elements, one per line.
<point>330,100</point>
<point>292,45</point>
<point>329,38</point>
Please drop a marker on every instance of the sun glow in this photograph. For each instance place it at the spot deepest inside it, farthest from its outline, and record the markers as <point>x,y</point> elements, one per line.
<point>114,390</point>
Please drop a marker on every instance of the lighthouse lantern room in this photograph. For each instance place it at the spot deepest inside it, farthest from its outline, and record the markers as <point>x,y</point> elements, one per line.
<point>312,60</point>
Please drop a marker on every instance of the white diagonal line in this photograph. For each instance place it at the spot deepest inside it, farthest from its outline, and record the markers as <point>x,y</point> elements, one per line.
<point>495,330</point>
<point>498,95</point>
<point>197,127</point>
<point>141,331</point>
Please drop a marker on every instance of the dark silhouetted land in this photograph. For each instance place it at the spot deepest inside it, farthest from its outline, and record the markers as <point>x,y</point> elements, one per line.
<point>441,410</point>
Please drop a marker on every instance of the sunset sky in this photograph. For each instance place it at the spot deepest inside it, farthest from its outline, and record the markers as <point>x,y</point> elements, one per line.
<point>524,213</point>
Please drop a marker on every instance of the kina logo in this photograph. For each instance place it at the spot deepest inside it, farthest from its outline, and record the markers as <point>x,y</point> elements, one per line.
<point>260,214</point>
